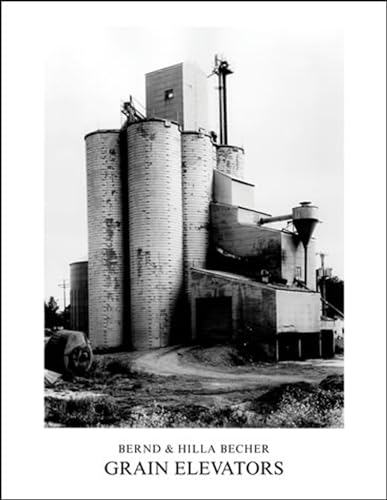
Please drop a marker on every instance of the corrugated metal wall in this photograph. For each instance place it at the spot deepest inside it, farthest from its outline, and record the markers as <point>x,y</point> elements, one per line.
<point>106,270</point>
<point>155,230</point>
<point>79,310</point>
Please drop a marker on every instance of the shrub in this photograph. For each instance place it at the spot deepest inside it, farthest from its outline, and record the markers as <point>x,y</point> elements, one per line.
<point>82,412</point>
<point>272,399</point>
<point>309,412</point>
<point>301,405</point>
<point>186,416</point>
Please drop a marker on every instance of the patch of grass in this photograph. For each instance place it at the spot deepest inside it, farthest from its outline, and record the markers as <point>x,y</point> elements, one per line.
<point>82,412</point>
<point>189,416</point>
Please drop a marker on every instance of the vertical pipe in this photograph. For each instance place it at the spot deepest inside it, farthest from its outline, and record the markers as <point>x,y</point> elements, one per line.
<point>224,108</point>
<point>306,264</point>
<point>220,109</point>
<point>320,345</point>
<point>322,291</point>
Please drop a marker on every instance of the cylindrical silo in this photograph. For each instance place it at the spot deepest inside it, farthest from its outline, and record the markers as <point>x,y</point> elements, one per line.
<point>155,230</point>
<point>79,311</point>
<point>106,270</point>
<point>198,163</point>
<point>231,160</point>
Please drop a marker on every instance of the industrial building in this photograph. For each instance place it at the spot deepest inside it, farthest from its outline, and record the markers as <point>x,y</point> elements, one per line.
<point>178,251</point>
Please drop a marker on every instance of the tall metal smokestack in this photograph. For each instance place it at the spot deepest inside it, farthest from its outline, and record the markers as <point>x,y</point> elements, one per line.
<point>222,69</point>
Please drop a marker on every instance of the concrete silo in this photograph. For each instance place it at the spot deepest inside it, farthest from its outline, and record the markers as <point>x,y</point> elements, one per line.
<point>155,230</point>
<point>198,164</point>
<point>231,160</point>
<point>105,236</point>
<point>79,311</point>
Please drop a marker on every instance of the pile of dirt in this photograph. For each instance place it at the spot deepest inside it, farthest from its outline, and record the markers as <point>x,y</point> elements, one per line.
<point>219,356</point>
<point>333,383</point>
<point>300,404</point>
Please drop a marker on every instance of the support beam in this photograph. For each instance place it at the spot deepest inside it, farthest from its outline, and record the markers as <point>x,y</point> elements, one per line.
<point>299,348</point>
<point>277,349</point>
<point>278,218</point>
<point>306,265</point>
<point>320,345</point>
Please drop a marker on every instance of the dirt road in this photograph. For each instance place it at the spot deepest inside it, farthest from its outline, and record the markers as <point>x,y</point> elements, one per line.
<point>174,361</point>
<point>201,385</point>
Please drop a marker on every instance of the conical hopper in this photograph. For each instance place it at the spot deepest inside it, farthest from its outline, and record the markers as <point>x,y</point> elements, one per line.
<point>305,220</point>
<point>305,228</point>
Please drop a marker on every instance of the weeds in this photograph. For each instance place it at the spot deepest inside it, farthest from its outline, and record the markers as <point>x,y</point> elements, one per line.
<point>320,406</point>
<point>186,416</point>
<point>123,397</point>
<point>82,412</point>
<point>306,413</point>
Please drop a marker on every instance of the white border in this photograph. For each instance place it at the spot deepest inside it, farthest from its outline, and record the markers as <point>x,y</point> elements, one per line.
<point>50,463</point>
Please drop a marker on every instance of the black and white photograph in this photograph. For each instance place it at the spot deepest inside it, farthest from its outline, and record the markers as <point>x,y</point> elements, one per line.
<point>194,276</point>
<point>199,223</point>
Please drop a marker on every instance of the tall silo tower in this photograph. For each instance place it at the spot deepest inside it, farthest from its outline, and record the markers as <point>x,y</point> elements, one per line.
<point>198,164</point>
<point>155,230</point>
<point>105,237</point>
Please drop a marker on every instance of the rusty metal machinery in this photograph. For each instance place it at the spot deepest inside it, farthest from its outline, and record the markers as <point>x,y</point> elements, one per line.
<point>68,352</point>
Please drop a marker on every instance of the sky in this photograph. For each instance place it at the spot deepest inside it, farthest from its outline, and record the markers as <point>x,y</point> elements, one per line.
<point>285,107</point>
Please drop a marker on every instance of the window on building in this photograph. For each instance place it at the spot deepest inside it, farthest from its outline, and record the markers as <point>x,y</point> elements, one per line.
<point>168,94</point>
<point>298,271</point>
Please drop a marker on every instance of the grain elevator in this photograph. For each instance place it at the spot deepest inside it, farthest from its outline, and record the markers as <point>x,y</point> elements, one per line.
<point>177,250</point>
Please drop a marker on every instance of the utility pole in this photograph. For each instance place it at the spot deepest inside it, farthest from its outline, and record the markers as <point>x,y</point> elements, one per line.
<point>64,285</point>
<point>321,281</point>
